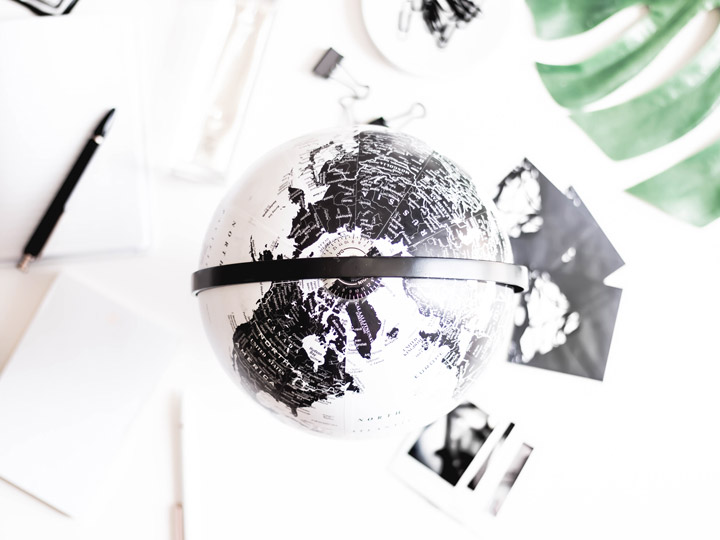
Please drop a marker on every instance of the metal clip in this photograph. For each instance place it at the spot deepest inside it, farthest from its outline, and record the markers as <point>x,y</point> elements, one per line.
<point>407,10</point>
<point>330,67</point>
<point>416,111</point>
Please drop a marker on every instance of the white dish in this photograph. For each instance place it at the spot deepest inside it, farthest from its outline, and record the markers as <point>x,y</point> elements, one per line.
<point>416,51</point>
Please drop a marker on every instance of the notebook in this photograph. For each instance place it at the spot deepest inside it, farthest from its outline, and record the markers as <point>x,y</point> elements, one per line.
<point>58,78</point>
<point>78,377</point>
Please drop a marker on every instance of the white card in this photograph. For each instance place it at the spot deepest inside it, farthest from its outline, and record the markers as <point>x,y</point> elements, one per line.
<point>78,377</point>
<point>60,76</point>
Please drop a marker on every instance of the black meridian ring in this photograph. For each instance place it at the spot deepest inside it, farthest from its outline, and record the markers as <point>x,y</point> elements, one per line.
<point>509,275</point>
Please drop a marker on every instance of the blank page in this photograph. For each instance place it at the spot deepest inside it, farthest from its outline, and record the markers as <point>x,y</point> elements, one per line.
<point>58,78</point>
<point>80,374</point>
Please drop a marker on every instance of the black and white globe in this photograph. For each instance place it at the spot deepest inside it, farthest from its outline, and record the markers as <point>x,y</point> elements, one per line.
<point>354,357</point>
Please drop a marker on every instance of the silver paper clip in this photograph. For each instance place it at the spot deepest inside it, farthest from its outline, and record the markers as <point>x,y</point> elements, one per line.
<point>330,67</point>
<point>416,111</point>
<point>407,12</point>
<point>443,17</point>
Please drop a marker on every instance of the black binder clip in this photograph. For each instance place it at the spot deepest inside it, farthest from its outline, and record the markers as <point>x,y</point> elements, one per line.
<point>330,67</point>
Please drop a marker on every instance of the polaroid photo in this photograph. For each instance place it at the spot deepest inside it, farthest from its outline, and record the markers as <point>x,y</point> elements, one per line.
<point>466,463</point>
<point>508,480</point>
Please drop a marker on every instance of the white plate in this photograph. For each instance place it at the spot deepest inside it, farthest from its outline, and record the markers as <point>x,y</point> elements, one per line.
<point>416,51</point>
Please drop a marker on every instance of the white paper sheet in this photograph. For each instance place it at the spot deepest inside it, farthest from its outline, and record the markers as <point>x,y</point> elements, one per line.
<point>58,78</point>
<point>80,374</point>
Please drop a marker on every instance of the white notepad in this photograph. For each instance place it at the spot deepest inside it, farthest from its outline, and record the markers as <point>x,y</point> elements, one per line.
<point>58,78</point>
<point>78,377</point>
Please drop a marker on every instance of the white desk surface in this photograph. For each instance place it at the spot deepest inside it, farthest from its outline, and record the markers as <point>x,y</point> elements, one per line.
<point>634,456</point>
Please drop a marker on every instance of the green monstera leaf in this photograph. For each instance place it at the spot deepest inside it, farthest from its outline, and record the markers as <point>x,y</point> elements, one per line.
<point>576,85</point>
<point>689,190</point>
<point>562,18</point>
<point>662,115</point>
<point>653,119</point>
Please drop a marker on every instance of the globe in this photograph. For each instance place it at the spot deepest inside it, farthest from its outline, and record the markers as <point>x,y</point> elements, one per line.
<point>355,356</point>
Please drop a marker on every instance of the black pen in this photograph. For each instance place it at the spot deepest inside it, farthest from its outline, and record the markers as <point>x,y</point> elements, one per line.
<point>57,206</point>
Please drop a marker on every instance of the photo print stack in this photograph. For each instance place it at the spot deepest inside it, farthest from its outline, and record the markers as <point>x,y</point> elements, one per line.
<point>565,320</point>
<point>465,463</point>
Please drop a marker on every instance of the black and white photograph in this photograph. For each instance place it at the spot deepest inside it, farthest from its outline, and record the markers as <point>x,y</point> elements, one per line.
<point>566,318</point>
<point>510,477</point>
<point>487,462</point>
<point>448,446</point>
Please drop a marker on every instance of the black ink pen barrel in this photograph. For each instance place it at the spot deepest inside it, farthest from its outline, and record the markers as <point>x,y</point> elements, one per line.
<point>57,206</point>
<point>52,215</point>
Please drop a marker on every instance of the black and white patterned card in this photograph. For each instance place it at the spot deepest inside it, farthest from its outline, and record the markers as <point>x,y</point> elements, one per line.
<point>566,318</point>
